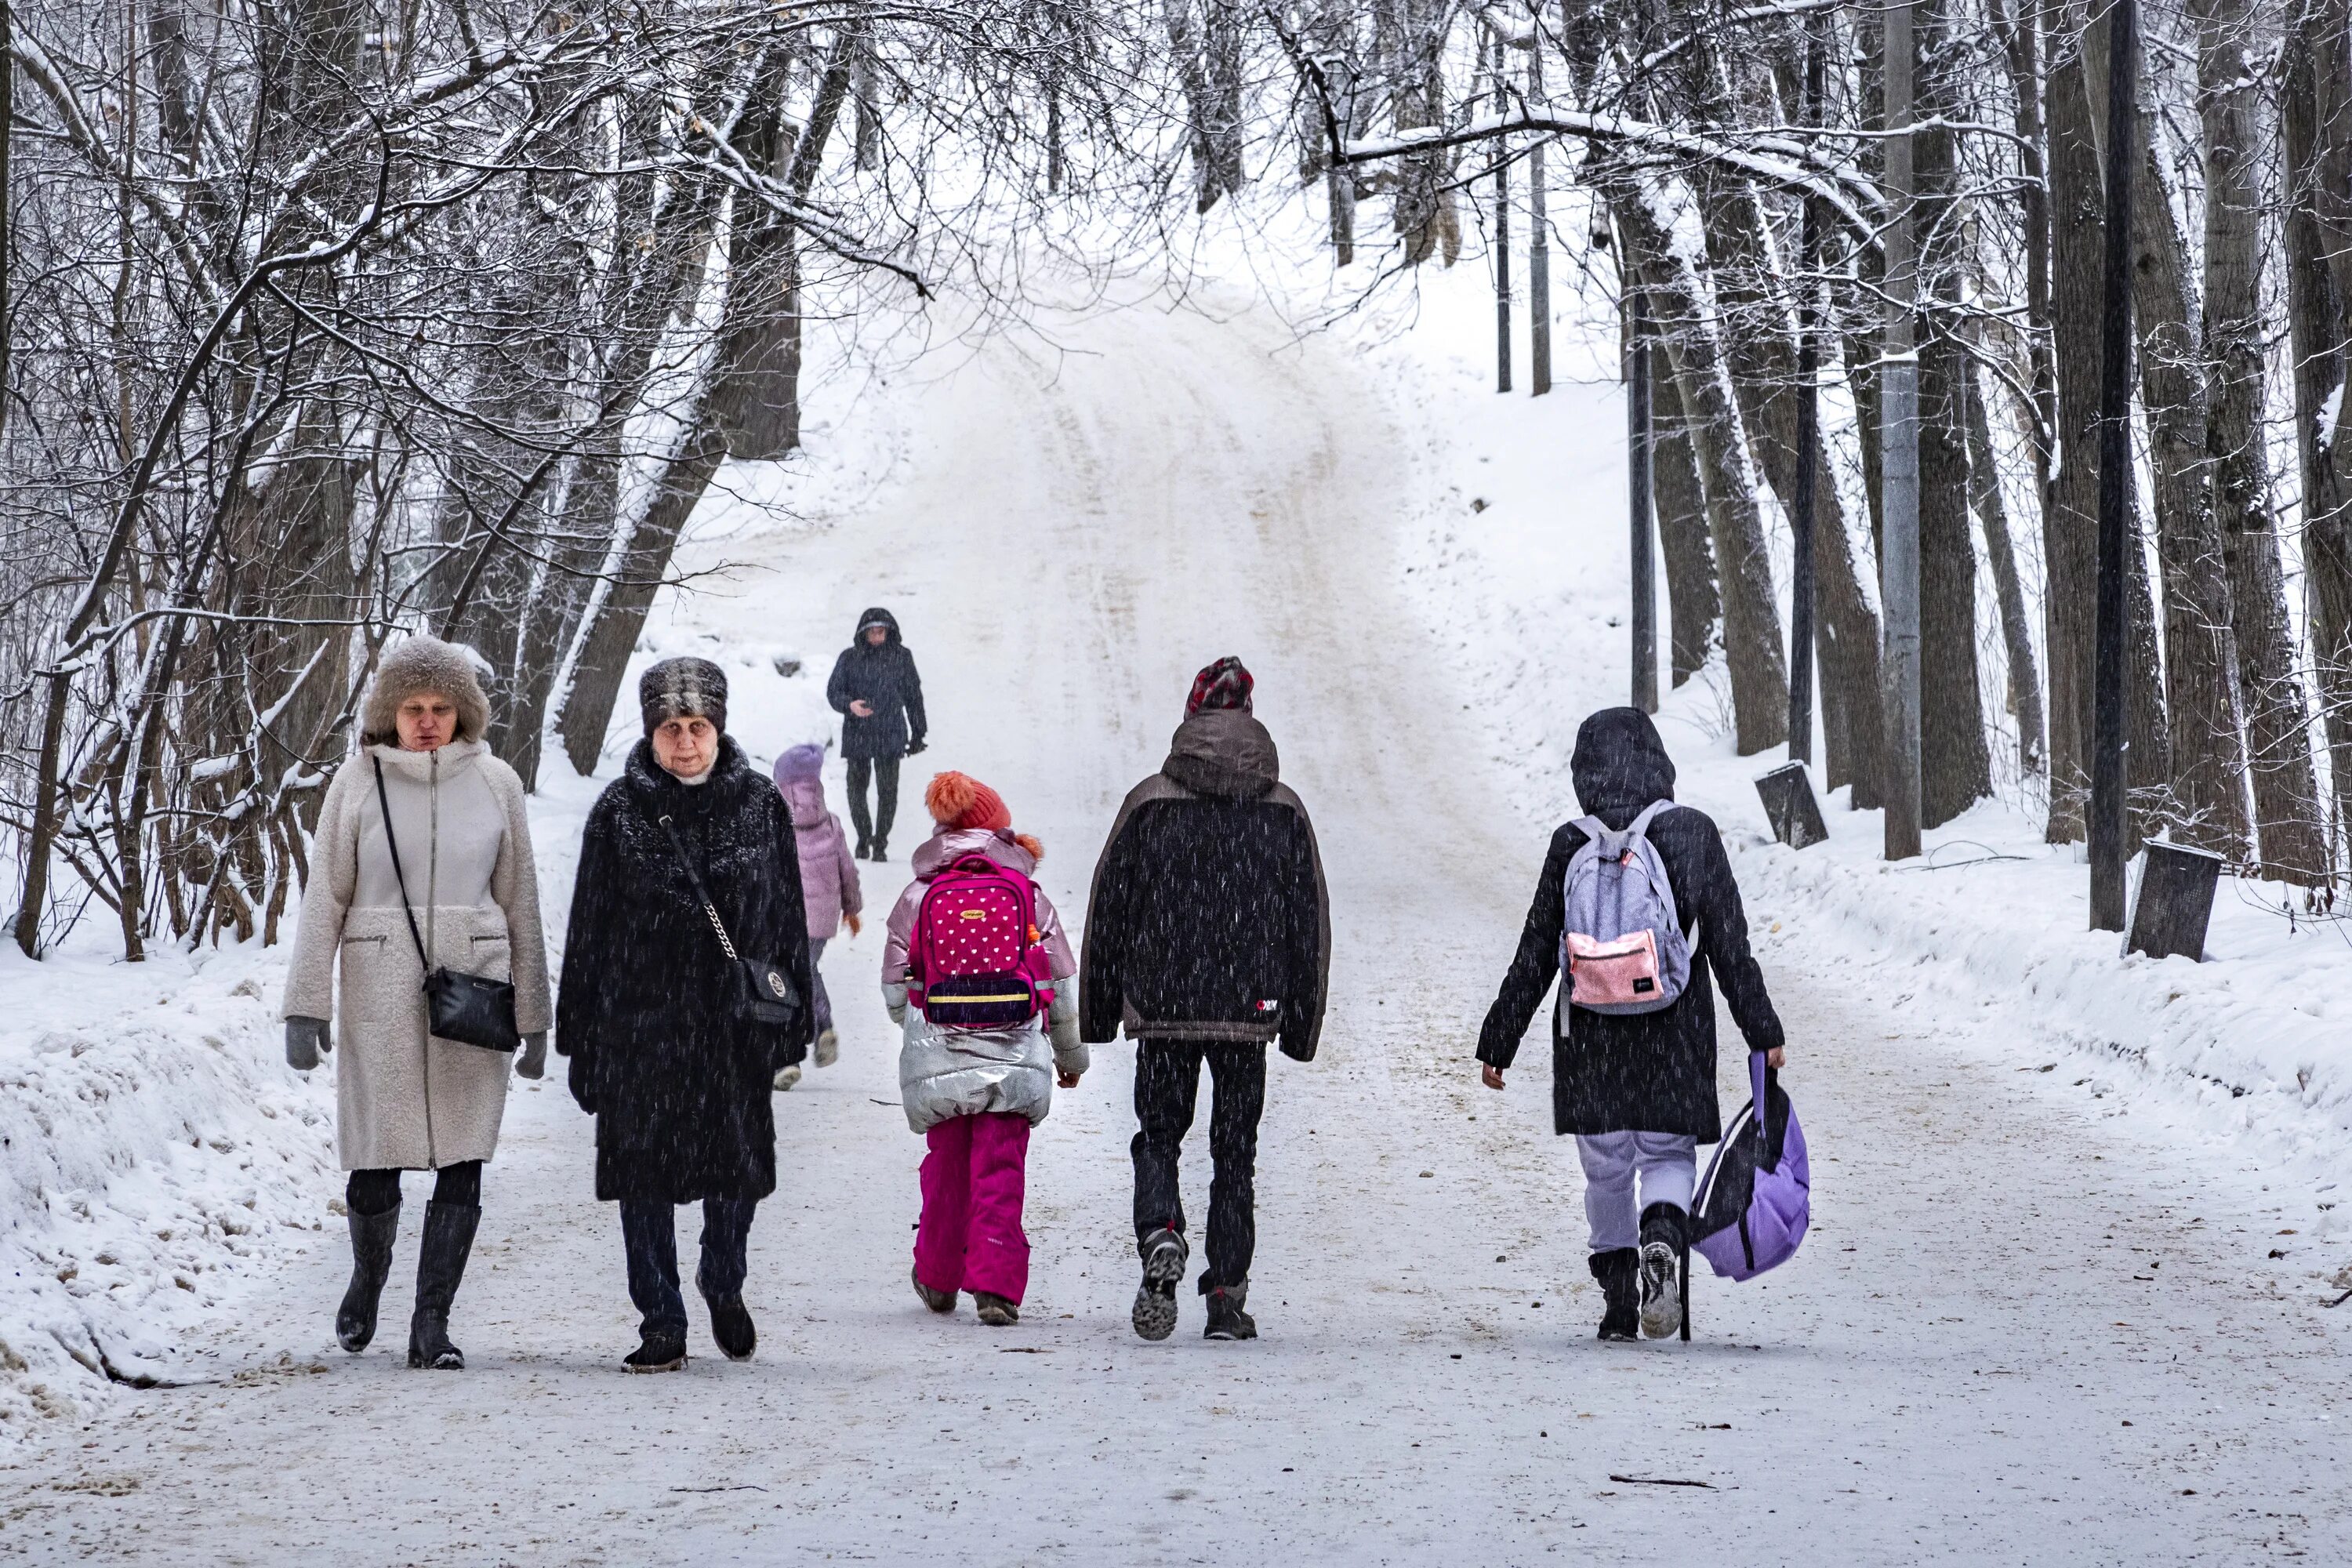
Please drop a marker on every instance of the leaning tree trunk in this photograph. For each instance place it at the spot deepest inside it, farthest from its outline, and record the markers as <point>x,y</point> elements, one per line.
<point>2000,551</point>
<point>1751,620</point>
<point>1692,604</point>
<point>2290,831</point>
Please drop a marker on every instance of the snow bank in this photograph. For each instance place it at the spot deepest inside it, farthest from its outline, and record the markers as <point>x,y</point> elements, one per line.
<point>155,1153</point>
<point>1517,550</point>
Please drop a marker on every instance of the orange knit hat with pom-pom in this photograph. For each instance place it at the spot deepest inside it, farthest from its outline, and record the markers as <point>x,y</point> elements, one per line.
<point>959,800</point>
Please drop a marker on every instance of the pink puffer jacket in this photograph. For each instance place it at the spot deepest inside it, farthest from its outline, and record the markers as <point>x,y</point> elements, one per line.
<point>828,872</point>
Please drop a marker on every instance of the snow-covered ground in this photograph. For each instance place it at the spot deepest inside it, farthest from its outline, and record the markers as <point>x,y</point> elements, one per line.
<point>2028,1328</point>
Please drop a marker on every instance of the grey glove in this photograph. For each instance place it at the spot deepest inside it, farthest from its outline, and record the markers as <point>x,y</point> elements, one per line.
<point>306,1040</point>
<point>532,1060</point>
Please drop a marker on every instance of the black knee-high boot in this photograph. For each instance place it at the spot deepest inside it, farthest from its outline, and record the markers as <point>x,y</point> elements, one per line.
<point>440,1266</point>
<point>1617,1271</point>
<point>372,1238</point>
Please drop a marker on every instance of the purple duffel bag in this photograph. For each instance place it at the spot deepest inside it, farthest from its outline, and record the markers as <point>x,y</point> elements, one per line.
<point>1751,1211</point>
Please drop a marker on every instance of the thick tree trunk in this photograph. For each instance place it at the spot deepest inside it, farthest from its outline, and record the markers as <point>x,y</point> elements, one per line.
<point>2290,832</point>
<point>1693,605</point>
<point>2200,665</point>
<point>2312,83</point>
<point>1954,765</point>
<point>2078,224</point>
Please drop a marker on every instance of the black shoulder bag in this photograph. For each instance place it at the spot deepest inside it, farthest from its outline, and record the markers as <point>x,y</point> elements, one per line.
<point>471,1009</point>
<point>764,991</point>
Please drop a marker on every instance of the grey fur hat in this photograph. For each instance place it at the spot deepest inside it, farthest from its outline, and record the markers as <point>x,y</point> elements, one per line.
<point>424,664</point>
<point>683,688</point>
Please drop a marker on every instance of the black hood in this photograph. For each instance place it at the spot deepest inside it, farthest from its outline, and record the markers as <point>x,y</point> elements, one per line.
<point>1620,766</point>
<point>1224,751</point>
<point>872,617</point>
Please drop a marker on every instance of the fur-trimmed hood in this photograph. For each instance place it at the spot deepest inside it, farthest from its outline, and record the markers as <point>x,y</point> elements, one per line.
<point>424,664</point>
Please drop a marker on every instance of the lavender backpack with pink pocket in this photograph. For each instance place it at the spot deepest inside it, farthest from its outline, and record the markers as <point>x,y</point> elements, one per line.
<point>1622,945</point>
<point>1756,1199</point>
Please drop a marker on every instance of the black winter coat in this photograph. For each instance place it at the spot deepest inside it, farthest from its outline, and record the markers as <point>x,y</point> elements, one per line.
<point>884,678</point>
<point>1643,1072</point>
<point>679,1082</point>
<point>1209,918</point>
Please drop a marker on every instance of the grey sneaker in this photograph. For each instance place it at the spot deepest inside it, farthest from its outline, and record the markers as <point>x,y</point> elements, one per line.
<point>937,1300</point>
<point>787,1076</point>
<point>995,1310</point>
<point>1226,1319</point>
<point>1164,1257</point>
<point>828,1048</point>
<point>1661,1307</point>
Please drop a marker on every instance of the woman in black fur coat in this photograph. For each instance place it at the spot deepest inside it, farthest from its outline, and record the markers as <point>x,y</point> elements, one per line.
<point>652,1011</point>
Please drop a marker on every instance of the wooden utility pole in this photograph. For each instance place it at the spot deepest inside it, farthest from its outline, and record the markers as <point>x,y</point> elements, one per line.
<point>1801,523</point>
<point>1900,447</point>
<point>2107,692</point>
<point>1637,492</point>
<point>1539,248</point>
<point>1502,228</point>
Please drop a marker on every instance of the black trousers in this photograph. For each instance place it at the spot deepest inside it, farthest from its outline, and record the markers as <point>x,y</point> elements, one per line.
<point>884,772</point>
<point>1167,1084</point>
<point>374,1192</point>
<point>649,1233</point>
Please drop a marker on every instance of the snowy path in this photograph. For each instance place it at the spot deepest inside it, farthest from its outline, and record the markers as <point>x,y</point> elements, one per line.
<point>2019,1335</point>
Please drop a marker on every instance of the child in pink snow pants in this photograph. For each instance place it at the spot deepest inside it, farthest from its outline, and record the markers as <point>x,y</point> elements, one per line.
<point>975,1092</point>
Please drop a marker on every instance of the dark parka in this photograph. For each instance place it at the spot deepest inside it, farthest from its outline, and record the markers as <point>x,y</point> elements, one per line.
<point>1209,918</point>
<point>1645,1072</point>
<point>677,1080</point>
<point>884,679</point>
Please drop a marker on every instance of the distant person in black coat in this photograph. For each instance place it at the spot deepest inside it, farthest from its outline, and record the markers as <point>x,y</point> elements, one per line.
<point>1208,934</point>
<point>880,697</point>
<point>665,1053</point>
<point>1637,1089</point>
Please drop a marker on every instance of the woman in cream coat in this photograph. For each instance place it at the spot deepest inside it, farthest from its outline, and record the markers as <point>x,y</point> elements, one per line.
<point>405,1101</point>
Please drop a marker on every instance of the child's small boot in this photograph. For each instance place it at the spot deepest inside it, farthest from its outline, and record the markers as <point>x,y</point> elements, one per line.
<point>995,1310</point>
<point>937,1300</point>
<point>1616,1270</point>
<point>1662,1253</point>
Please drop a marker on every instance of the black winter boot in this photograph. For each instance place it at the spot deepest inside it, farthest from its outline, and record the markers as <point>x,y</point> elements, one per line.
<point>1616,1268</point>
<point>440,1266</point>
<point>372,1238</point>
<point>1662,1256</point>
<point>658,1351</point>
<point>1226,1319</point>
<point>731,1326</point>
<point>1164,1256</point>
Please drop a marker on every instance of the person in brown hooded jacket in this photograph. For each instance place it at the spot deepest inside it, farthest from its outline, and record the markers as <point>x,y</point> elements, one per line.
<point>1208,934</point>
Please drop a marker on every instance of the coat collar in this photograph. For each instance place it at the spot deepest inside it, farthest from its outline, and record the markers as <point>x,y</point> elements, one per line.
<point>456,757</point>
<point>658,792</point>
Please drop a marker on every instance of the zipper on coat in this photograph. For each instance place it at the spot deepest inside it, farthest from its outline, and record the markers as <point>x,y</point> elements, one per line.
<point>432,895</point>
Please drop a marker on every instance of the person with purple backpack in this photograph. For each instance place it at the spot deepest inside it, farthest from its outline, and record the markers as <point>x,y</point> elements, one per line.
<point>828,886</point>
<point>977,972</point>
<point>1639,898</point>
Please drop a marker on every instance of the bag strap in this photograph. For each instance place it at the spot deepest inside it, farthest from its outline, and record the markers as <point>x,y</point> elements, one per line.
<point>686,863</point>
<point>384,800</point>
<point>1761,1079</point>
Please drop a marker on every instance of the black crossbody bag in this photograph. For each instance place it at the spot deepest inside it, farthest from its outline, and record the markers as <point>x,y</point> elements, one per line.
<point>764,992</point>
<point>471,1009</point>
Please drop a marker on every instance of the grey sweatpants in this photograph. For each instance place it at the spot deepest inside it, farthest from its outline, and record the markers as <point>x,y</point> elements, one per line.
<point>1666,1166</point>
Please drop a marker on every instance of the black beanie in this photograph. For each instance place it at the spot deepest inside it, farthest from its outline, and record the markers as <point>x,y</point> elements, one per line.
<point>683,688</point>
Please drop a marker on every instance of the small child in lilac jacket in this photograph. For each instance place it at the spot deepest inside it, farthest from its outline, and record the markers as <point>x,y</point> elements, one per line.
<point>828,884</point>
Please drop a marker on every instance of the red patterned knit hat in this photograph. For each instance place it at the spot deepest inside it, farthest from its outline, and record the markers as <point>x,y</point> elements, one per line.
<point>1224,684</point>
